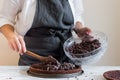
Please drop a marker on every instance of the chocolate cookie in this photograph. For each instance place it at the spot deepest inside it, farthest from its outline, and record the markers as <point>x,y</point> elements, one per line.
<point>65,68</point>
<point>112,75</point>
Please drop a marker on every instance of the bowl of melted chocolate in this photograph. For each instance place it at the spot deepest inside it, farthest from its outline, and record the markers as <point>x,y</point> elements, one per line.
<point>90,49</point>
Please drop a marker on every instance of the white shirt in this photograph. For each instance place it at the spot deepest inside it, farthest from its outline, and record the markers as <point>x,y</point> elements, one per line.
<point>20,13</point>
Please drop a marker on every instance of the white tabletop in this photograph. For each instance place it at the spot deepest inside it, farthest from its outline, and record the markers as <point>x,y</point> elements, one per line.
<point>19,73</point>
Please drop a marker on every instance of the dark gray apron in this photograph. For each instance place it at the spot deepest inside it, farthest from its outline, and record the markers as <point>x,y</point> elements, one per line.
<point>52,24</point>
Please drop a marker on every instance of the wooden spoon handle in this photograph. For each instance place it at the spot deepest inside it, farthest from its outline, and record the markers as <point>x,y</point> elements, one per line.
<point>41,58</point>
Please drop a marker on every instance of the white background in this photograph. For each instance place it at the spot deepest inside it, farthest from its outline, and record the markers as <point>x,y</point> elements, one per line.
<point>102,15</point>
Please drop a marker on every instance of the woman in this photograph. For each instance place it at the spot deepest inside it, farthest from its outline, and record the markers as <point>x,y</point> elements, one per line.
<point>40,26</point>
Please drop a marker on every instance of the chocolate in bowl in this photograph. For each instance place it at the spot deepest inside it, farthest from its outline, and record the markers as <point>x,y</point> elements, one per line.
<point>87,57</point>
<point>84,47</point>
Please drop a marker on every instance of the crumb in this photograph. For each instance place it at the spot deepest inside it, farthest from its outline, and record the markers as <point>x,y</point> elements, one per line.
<point>91,73</point>
<point>9,78</point>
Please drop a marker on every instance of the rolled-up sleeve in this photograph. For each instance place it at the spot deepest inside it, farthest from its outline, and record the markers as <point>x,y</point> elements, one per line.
<point>78,8</point>
<point>8,12</point>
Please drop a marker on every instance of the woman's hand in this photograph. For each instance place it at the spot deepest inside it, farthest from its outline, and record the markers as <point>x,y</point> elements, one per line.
<point>16,42</point>
<point>81,30</point>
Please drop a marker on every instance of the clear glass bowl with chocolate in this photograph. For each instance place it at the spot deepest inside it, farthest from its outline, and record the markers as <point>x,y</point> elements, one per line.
<point>88,51</point>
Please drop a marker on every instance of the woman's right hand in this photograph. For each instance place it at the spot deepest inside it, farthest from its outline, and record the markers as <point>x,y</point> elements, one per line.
<point>16,42</point>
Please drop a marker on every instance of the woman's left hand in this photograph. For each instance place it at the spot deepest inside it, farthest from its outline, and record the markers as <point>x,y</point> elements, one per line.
<point>81,31</point>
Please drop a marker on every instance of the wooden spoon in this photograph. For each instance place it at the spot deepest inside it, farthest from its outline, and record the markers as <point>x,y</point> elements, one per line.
<point>46,60</point>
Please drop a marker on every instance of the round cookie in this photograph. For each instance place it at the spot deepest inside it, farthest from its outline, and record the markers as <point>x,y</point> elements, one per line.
<point>112,75</point>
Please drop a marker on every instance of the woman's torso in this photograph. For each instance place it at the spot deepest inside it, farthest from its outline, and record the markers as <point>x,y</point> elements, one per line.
<point>26,16</point>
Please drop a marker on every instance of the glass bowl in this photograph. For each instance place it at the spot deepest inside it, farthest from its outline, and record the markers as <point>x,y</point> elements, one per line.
<point>90,57</point>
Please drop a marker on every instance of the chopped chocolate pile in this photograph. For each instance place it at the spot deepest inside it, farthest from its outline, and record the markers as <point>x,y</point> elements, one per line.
<point>67,66</point>
<point>88,44</point>
<point>50,67</point>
